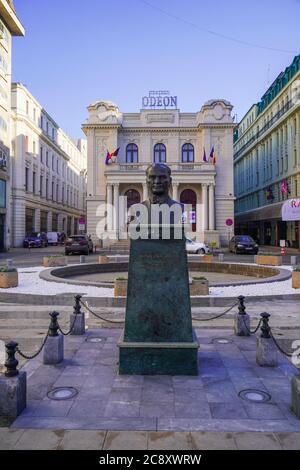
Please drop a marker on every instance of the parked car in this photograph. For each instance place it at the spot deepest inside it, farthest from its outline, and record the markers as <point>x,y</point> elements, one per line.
<point>243,244</point>
<point>78,244</point>
<point>35,240</point>
<point>196,247</point>
<point>52,238</point>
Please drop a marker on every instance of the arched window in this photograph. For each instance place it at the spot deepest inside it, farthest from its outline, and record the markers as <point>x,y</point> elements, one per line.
<point>160,153</point>
<point>187,153</point>
<point>132,153</point>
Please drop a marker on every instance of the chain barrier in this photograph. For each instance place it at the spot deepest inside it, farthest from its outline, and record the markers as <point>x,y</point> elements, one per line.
<point>217,316</point>
<point>279,347</point>
<point>25,356</point>
<point>99,316</point>
<point>252,332</point>
<point>70,330</point>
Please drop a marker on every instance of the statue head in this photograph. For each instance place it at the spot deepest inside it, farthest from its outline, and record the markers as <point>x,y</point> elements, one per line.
<point>158,178</point>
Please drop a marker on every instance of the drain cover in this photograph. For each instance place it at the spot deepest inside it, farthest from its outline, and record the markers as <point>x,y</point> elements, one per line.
<point>256,396</point>
<point>62,393</point>
<point>95,339</point>
<point>221,340</point>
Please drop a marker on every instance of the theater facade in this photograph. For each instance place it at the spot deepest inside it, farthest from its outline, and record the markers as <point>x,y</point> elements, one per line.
<point>198,147</point>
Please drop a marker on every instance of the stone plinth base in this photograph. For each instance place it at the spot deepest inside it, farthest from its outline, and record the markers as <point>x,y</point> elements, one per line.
<point>295,384</point>
<point>12,395</point>
<point>266,352</point>
<point>54,350</point>
<point>158,358</point>
<point>242,324</point>
<point>79,325</point>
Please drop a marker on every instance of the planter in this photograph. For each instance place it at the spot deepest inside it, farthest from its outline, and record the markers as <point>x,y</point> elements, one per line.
<point>120,288</point>
<point>296,279</point>
<point>270,260</point>
<point>103,259</point>
<point>9,279</point>
<point>207,258</point>
<point>199,287</point>
<point>53,262</point>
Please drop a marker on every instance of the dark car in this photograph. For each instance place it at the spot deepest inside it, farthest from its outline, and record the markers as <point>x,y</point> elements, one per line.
<point>243,244</point>
<point>78,244</point>
<point>35,240</point>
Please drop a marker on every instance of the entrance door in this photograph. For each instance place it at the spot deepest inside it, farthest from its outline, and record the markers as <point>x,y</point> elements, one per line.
<point>188,196</point>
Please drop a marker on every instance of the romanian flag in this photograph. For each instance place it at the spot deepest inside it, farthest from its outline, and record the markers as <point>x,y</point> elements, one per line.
<point>204,155</point>
<point>111,157</point>
<point>212,156</point>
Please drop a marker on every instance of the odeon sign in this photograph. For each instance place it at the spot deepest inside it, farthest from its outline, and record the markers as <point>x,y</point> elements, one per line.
<point>159,99</point>
<point>291,210</point>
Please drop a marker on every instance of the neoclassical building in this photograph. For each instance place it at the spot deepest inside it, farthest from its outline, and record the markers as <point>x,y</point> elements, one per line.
<point>48,177</point>
<point>172,137</point>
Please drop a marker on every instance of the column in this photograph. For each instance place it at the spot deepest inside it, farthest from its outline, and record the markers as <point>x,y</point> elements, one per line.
<point>211,207</point>
<point>145,191</point>
<point>204,204</point>
<point>175,191</point>
<point>116,209</point>
<point>109,201</point>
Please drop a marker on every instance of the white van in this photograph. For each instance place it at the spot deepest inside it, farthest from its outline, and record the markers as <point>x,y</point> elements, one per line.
<point>52,238</point>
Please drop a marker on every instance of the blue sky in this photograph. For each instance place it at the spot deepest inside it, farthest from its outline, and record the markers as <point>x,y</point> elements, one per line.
<point>78,51</point>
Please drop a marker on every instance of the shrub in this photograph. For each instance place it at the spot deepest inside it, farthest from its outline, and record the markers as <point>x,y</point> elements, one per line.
<point>6,269</point>
<point>199,278</point>
<point>121,278</point>
<point>296,268</point>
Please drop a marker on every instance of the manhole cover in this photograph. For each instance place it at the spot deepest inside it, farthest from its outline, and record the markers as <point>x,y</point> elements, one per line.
<point>253,395</point>
<point>95,339</point>
<point>62,393</point>
<point>221,340</point>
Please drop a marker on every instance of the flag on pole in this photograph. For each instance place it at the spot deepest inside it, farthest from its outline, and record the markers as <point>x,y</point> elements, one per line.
<point>111,157</point>
<point>212,156</point>
<point>204,155</point>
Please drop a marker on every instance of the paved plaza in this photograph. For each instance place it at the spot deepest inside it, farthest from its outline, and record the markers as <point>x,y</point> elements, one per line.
<point>208,402</point>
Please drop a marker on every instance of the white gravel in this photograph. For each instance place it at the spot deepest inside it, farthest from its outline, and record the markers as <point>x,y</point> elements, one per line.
<point>30,283</point>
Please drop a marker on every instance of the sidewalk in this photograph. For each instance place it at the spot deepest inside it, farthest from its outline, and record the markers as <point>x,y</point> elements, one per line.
<point>59,439</point>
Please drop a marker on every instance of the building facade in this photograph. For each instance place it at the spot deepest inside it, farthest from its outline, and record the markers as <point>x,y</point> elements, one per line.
<point>48,190</point>
<point>9,26</point>
<point>168,136</point>
<point>267,161</point>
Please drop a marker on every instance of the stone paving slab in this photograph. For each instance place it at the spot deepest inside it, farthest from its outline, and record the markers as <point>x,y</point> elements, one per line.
<point>59,439</point>
<point>207,402</point>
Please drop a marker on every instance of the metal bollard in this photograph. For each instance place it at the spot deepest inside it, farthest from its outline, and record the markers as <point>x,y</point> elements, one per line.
<point>221,257</point>
<point>266,352</point>
<point>77,318</point>
<point>265,328</point>
<point>82,259</point>
<point>11,362</point>
<point>54,346</point>
<point>241,319</point>
<point>12,385</point>
<point>53,328</point>
<point>9,263</point>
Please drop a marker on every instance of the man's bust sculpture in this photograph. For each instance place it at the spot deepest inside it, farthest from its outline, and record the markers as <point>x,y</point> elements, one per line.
<point>158,179</point>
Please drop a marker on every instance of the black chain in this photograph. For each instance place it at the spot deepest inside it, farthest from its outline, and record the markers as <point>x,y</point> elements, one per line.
<point>25,356</point>
<point>252,332</point>
<point>217,316</point>
<point>70,330</point>
<point>99,316</point>
<point>279,347</point>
